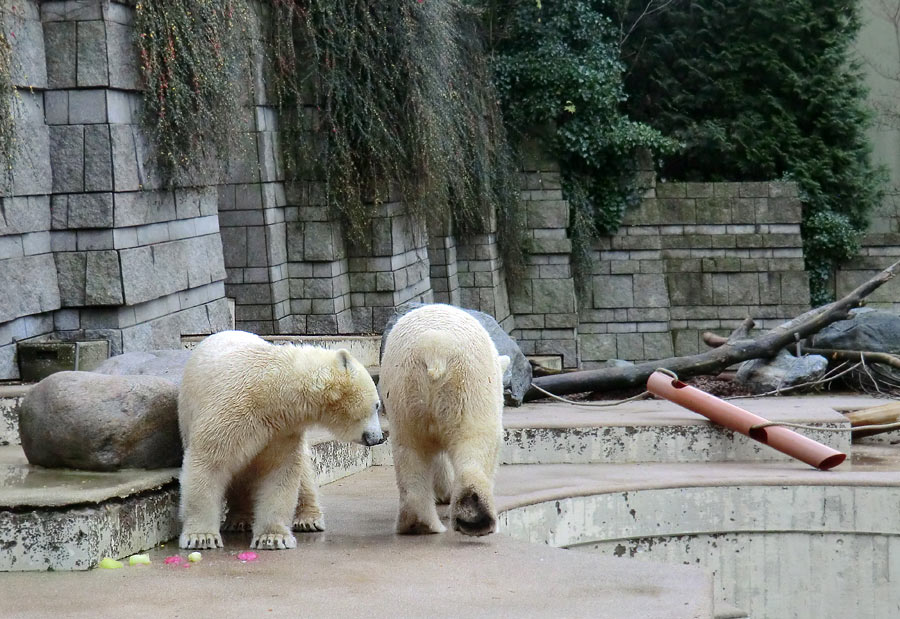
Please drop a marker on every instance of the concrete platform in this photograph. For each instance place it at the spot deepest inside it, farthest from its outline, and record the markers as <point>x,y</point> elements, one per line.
<point>359,567</point>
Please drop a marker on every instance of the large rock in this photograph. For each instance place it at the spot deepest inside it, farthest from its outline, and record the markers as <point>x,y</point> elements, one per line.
<point>785,370</point>
<point>96,422</point>
<point>516,379</point>
<point>168,364</point>
<point>868,330</point>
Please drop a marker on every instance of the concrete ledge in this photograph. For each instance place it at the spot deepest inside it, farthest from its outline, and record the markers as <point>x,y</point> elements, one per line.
<point>76,538</point>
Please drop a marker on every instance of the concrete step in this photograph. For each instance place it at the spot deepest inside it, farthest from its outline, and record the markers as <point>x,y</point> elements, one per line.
<point>660,431</point>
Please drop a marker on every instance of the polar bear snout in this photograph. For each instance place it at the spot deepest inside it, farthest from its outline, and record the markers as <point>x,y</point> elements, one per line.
<point>372,434</point>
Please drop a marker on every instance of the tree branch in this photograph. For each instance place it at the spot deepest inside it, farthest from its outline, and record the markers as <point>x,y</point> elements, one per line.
<point>713,361</point>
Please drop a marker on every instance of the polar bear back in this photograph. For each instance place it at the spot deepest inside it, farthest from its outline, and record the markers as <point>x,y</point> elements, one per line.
<point>441,375</point>
<point>251,378</point>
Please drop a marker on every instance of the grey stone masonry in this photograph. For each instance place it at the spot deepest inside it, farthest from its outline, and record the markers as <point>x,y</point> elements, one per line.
<point>694,257</point>
<point>92,246</point>
<point>444,270</point>
<point>482,281</point>
<point>879,250</point>
<point>394,269</point>
<point>544,303</point>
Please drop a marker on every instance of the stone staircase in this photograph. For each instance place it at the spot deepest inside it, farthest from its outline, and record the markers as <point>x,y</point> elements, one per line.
<point>747,530</point>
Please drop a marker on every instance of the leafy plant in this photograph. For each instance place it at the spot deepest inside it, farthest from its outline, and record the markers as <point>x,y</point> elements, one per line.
<point>194,60</point>
<point>393,100</point>
<point>759,90</point>
<point>559,77</point>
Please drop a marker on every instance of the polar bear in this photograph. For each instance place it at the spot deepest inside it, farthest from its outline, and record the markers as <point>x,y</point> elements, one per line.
<point>442,387</point>
<point>243,408</point>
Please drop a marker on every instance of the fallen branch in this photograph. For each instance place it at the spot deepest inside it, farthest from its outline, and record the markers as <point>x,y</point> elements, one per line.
<point>855,355</point>
<point>875,416</point>
<point>735,350</point>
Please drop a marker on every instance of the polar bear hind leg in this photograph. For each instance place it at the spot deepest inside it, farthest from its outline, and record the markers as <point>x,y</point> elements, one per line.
<point>418,513</point>
<point>472,510</point>
<point>442,474</point>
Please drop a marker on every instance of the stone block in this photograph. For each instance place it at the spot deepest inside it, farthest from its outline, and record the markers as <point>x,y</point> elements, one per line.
<point>650,290</point>
<point>30,68</point>
<point>698,190</point>
<point>754,190</point>
<point>124,158</point>
<point>67,158</point>
<point>90,210</point>
<point>257,253</point>
<point>60,44</point>
<point>551,246</point>
<point>24,214</point>
<point>123,57</point>
<point>34,280</point>
<point>597,347</point>
<point>689,288</point>
<point>87,106</point>
<point>671,190</point>
<point>56,107</point>
<point>319,242</point>
<point>713,211</point>
<point>548,214</point>
<point>658,346</point>
<point>36,243</point>
<point>743,289</point>
<point>97,159</point>
<point>31,174</point>
<point>142,207</point>
<point>610,291</point>
<point>11,247</point>
<point>677,211</point>
<point>103,279</point>
<point>92,62</point>
<point>630,346</point>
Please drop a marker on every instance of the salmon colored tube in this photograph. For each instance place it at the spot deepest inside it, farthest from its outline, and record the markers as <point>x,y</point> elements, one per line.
<point>737,419</point>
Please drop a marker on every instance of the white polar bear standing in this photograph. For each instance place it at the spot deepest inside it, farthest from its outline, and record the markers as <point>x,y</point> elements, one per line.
<point>442,385</point>
<point>243,409</point>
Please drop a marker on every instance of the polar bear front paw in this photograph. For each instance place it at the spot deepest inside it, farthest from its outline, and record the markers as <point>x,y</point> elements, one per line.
<point>309,521</point>
<point>274,541</point>
<point>200,540</point>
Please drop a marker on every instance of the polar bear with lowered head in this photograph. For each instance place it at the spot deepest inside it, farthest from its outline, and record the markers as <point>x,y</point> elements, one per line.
<point>243,409</point>
<point>442,386</point>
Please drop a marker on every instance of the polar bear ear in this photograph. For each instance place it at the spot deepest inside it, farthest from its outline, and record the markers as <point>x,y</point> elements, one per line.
<point>344,360</point>
<point>504,362</point>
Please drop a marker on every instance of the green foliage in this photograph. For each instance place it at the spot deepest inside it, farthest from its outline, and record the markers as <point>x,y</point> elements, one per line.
<point>8,97</point>
<point>759,90</point>
<point>194,63</point>
<point>392,100</point>
<point>559,77</point>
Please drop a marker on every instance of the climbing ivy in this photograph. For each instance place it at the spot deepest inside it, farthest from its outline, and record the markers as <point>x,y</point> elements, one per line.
<point>194,62</point>
<point>388,101</point>
<point>761,90</point>
<point>559,77</point>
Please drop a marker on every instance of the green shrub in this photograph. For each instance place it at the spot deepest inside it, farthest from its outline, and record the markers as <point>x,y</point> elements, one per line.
<point>387,100</point>
<point>194,60</point>
<point>557,70</point>
<point>760,90</point>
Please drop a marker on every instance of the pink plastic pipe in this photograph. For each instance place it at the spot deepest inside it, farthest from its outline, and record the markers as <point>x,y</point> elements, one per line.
<point>737,419</point>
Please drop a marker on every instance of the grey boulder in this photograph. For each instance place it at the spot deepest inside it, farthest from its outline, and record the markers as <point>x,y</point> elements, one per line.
<point>168,364</point>
<point>91,421</point>
<point>785,370</point>
<point>867,330</point>
<point>516,379</point>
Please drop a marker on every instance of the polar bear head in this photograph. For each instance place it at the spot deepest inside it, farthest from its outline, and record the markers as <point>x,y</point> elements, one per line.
<point>352,403</point>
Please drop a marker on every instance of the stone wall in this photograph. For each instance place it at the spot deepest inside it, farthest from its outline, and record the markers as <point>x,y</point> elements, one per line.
<point>94,246</point>
<point>694,257</point>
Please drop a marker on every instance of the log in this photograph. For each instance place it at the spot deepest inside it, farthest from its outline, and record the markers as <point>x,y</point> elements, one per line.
<point>876,415</point>
<point>735,350</point>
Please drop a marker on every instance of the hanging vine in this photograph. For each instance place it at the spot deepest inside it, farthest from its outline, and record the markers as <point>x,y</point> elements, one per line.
<point>194,61</point>
<point>393,100</point>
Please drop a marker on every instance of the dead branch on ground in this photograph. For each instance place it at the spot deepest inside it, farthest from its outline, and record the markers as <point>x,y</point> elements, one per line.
<point>737,348</point>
